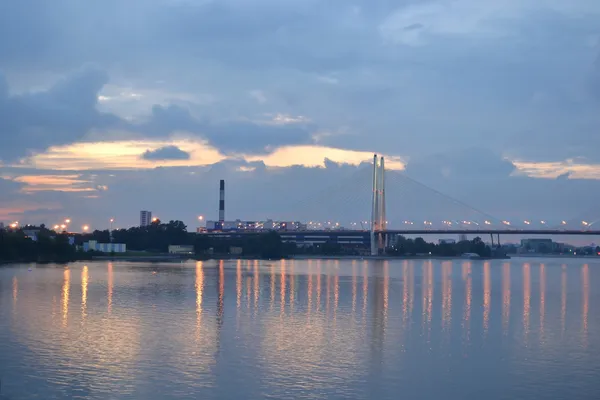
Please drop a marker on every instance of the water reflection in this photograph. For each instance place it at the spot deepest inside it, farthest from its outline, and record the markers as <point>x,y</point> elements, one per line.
<point>272,280</point>
<point>238,283</point>
<point>84,290</point>
<point>505,297</point>
<point>282,287</point>
<point>404,294</point>
<point>563,300</point>
<point>542,299</point>
<point>446,296</point>
<point>354,283</point>
<point>365,288</point>
<point>585,285</point>
<point>221,296</point>
<point>526,298</point>
<point>65,295</point>
<point>256,286</point>
<point>109,287</point>
<point>15,291</point>
<point>153,339</point>
<point>199,286</point>
<point>487,296</point>
<point>466,274</point>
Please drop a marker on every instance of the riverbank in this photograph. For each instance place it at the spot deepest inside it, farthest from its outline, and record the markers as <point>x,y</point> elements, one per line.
<point>529,255</point>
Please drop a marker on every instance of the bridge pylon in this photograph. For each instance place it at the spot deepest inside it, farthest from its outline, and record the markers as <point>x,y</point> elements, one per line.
<point>378,217</point>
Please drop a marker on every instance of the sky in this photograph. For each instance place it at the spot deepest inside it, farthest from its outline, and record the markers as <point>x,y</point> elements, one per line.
<point>115,106</point>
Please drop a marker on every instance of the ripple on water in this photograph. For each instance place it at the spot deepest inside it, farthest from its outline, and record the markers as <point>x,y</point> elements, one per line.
<point>300,329</point>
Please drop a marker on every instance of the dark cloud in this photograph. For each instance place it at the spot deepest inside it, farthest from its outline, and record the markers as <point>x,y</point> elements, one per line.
<point>166,153</point>
<point>240,136</point>
<point>62,114</point>
<point>67,112</point>
<point>467,163</point>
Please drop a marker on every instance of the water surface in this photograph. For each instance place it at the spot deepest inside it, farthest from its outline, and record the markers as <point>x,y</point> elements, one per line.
<point>524,328</point>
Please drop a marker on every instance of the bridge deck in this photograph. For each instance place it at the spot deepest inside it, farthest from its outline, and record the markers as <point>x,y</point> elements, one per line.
<point>429,232</point>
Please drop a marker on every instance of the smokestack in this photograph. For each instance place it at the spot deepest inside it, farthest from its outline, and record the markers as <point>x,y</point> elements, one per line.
<point>222,201</point>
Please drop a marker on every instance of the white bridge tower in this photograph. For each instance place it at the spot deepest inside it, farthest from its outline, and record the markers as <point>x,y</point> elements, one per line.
<point>378,218</point>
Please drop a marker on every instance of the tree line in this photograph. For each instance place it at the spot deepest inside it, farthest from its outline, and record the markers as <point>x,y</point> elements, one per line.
<point>16,246</point>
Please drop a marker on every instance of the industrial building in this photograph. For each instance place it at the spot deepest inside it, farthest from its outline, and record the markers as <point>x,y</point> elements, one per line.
<point>221,225</point>
<point>93,245</point>
<point>253,226</point>
<point>145,218</point>
<point>307,239</point>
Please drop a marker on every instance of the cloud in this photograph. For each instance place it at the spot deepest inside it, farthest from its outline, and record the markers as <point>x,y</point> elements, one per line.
<point>59,115</point>
<point>166,153</point>
<point>299,95</point>
<point>465,163</point>
<point>230,135</point>
<point>133,154</point>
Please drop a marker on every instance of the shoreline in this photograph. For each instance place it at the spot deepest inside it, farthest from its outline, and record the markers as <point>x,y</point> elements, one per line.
<point>384,257</point>
<point>181,258</point>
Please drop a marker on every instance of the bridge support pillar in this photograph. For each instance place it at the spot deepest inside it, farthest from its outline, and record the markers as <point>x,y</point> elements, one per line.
<point>378,217</point>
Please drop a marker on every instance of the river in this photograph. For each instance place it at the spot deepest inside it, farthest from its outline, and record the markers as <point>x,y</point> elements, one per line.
<point>313,329</point>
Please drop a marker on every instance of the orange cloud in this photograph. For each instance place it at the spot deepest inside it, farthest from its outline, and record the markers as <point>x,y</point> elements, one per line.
<point>551,170</point>
<point>128,155</point>
<point>63,183</point>
<point>314,156</point>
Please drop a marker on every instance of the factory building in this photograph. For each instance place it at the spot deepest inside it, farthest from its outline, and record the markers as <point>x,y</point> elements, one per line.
<point>221,225</point>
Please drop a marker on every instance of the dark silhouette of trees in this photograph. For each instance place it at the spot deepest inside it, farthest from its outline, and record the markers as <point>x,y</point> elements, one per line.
<point>264,245</point>
<point>419,246</point>
<point>49,246</point>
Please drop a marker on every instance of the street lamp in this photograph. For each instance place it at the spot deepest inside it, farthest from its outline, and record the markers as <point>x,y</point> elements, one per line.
<point>85,228</point>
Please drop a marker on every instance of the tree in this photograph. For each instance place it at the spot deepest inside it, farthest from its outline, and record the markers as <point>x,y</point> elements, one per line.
<point>331,248</point>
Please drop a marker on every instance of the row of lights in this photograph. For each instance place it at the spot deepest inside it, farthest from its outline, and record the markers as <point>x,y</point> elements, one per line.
<point>451,223</point>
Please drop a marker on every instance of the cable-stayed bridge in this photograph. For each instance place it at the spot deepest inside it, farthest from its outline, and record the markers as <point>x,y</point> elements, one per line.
<point>384,203</point>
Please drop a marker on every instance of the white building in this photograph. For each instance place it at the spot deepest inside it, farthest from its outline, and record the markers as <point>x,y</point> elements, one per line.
<point>145,218</point>
<point>181,249</point>
<point>93,245</point>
